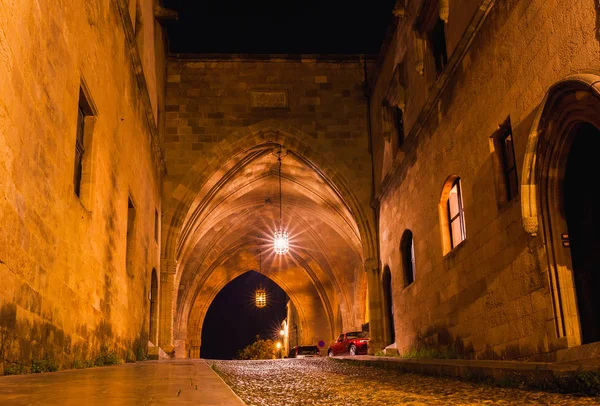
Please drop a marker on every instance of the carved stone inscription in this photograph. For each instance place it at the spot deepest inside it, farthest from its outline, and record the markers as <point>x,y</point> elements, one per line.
<point>269,98</point>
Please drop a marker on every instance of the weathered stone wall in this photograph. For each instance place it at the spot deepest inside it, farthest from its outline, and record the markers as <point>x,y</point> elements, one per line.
<point>65,291</point>
<point>213,98</point>
<point>490,295</point>
<point>209,99</point>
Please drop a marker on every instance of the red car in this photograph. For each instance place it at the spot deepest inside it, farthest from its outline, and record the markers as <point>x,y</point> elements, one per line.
<point>353,343</point>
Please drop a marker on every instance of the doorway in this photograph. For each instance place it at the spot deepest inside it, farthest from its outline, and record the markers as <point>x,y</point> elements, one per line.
<point>582,212</point>
<point>389,304</point>
<point>154,308</point>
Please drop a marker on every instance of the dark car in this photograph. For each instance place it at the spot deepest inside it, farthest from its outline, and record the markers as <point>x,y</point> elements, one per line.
<point>353,343</point>
<point>304,351</point>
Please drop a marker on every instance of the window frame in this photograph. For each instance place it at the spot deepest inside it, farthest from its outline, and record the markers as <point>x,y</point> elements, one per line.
<point>430,28</point>
<point>460,216</point>
<point>507,176</point>
<point>79,150</point>
<point>83,167</point>
<point>436,36</point>
<point>509,171</point>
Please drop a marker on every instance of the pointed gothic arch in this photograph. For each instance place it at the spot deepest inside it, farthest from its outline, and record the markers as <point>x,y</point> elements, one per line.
<point>570,105</point>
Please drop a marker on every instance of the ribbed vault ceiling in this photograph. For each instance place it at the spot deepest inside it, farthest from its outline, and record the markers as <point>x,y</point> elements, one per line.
<point>233,219</point>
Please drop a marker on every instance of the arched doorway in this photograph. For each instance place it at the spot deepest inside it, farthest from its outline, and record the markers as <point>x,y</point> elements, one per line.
<point>233,321</point>
<point>388,302</point>
<point>581,203</point>
<point>556,197</point>
<point>154,307</point>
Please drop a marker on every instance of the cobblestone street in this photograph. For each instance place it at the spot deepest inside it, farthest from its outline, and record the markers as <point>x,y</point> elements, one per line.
<point>326,382</point>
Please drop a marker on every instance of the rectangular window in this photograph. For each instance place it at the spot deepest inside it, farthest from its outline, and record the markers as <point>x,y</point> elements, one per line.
<point>400,125</point>
<point>437,41</point>
<point>130,236</point>
<point>507,183</point>
<point>456,215</point>
<point>509,165</point>
<point>78,152</point>
<point>83,110</point>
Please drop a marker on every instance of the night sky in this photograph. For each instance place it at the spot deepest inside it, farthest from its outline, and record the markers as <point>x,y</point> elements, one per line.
<point>232,321</point>
<point>277,26</point>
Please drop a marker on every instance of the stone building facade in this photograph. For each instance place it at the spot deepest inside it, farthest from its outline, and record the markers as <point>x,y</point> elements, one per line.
<point>226,118</point>
<point>80,174</point>
<point>433,193</point>
<point>475,107</point>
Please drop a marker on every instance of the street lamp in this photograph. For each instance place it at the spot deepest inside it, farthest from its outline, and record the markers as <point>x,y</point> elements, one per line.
<point>278,346</point>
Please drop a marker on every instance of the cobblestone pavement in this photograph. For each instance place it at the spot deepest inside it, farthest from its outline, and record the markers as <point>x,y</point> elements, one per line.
<point>321,381</point>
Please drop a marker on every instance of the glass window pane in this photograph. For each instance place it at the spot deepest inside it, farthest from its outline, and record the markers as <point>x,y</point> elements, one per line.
<point>456,229</point>
<point>453,202</point>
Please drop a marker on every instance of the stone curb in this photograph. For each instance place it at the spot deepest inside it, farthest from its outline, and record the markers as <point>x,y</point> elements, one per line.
<point>472,369</point>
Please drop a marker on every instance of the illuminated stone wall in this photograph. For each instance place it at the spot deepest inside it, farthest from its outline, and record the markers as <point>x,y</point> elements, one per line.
<point>224,116</point>
<point>490,296</point>
<point>65,290</point>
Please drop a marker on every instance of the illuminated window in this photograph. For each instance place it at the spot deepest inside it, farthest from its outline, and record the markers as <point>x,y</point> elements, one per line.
<point>456,219</point>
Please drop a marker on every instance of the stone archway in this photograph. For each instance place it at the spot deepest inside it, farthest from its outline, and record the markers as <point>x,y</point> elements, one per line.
<point>571,105</point>
<point>235,148</point>
<point>220,203</point>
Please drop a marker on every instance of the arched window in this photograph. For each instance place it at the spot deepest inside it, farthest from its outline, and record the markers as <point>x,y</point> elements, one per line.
<point>452,214</point>
<point>407,251</point>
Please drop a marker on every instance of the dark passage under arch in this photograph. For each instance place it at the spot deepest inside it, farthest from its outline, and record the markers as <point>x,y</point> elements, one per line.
<point>582,209</point>
<point>233,321</point>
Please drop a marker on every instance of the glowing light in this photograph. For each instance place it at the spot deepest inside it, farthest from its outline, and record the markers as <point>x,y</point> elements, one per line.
<point>281,243</point>
<point>278,345</point>
<point>282,332</point>
<point>260,298</point>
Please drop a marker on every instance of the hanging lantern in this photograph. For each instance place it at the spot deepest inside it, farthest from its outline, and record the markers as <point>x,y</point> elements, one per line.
<point>260,298</point>
<point>281,243</point>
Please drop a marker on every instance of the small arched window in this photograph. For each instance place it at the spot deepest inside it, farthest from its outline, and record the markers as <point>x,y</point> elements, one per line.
<point>452,214</point>
<point>407,251</point>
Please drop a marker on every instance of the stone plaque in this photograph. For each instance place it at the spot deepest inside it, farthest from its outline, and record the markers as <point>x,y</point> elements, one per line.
<point>269,99</point>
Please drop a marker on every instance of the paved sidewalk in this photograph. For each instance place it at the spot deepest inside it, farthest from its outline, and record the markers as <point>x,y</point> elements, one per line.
<point>177,382</point>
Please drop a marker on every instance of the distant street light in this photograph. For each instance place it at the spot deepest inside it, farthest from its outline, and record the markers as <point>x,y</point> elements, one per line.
<point>278,346</point>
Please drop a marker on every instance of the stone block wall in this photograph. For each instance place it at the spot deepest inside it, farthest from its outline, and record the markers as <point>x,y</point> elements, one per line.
<point>209,99</point>
<point>489,296</point>
<point>65,290</point>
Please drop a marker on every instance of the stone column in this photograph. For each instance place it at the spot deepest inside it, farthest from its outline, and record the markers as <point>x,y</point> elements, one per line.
<point>195,348</point>
<point>168,269</point>
<point>375,295</point>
